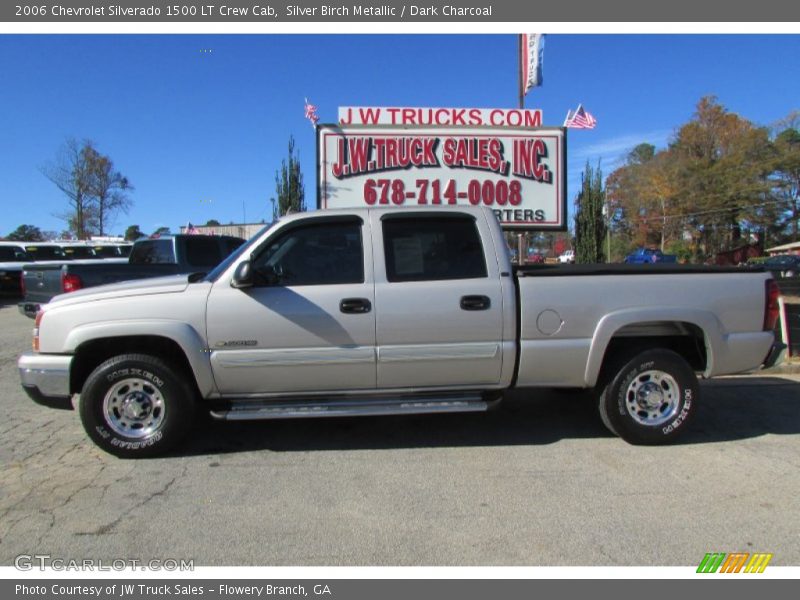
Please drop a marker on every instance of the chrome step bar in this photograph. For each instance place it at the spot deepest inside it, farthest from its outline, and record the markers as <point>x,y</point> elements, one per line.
<point>245,410</point>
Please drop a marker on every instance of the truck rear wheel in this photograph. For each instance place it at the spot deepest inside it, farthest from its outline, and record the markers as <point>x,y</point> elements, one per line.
<point>136,405</point>
<point>650,397</point>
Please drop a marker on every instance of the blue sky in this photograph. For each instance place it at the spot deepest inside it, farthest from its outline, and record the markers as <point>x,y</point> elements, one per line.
<point>200,134</point>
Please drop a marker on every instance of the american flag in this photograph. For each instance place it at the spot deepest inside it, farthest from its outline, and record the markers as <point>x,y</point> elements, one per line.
<point>581,119</point>
<point>311,113</point>
<point>191,229</point>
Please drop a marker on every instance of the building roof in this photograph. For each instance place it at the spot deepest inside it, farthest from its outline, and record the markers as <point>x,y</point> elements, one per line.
<point>784,247</point>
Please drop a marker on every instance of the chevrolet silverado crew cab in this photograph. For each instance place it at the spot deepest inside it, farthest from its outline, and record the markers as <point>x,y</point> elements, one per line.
<point>390,311</point>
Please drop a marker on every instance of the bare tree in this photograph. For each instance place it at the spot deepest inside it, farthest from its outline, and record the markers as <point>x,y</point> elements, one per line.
<point>108,188</point>
<point>71,173</point>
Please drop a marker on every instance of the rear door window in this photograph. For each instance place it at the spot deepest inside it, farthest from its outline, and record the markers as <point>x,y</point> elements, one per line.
<point>433,248</point>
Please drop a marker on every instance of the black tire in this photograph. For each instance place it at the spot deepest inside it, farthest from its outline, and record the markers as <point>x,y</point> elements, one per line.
<point>649,398</point>
<point>136,406</point>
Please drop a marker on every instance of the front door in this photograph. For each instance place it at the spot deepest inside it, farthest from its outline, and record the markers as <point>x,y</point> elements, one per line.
<point>308,323</point>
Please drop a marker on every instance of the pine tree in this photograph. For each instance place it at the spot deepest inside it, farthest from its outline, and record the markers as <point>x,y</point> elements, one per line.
<point>289,184</point>
<point>590,226</point>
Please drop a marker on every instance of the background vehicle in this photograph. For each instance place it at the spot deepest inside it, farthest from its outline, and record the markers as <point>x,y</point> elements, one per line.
<point>12,259</point>
<point>783,265</point>
<point>45,252</point>
<point>389,311</point>
<point>568,257</point>
<point>648,256</point>
<point>88,251</point>
<point>61,252</point>
<point>149,258</point>
<point>535,257</point>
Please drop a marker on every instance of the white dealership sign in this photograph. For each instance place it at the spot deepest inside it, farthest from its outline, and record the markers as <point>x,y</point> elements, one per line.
<point>518,172</point>
<point>440,117</point>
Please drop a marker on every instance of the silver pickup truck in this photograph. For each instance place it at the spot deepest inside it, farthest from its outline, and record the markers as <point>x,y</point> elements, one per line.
<point>388,311</point>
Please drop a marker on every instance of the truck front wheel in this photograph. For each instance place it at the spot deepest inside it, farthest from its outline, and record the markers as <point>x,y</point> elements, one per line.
<point>136,405</point>
<point>648,399</point>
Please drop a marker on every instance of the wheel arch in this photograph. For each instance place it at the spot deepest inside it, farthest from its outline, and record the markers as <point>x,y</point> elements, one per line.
<point>176,343</point>
<point>694,335</point>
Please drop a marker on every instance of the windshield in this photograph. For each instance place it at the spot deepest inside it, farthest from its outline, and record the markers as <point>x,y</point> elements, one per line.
<point>74,252</point>
<point>780,260</point>
<point>247,247</point>
<point>12,254</point>
<point>107,251</point>
<point>37,253</point>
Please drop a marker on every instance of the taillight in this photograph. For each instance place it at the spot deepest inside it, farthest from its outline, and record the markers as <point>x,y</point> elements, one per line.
<point>36,325</point>
<point>22,283</point>
<point>771,308</point>
<point>70,282</point>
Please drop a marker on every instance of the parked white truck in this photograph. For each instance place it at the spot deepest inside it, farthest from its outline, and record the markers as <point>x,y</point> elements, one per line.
<point>387,311</point>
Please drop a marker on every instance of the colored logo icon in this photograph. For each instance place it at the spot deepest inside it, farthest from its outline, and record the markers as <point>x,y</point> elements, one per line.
<point>735,562</point>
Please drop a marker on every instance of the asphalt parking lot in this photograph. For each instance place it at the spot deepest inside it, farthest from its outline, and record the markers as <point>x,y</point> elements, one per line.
<point>537,482</point>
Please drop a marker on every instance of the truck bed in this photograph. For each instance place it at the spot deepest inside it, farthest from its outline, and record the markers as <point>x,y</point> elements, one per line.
<point>571,318</point>
<point>562,270</point>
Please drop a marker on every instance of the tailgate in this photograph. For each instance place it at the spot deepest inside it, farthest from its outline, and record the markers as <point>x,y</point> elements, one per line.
<point>42,282</point>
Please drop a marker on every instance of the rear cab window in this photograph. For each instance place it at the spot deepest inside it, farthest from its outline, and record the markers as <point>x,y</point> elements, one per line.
<point>153,252</point>
<point>202,251</point>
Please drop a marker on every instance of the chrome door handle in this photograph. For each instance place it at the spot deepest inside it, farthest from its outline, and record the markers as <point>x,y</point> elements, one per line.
<point>355,306</point>
<point>475,303</point>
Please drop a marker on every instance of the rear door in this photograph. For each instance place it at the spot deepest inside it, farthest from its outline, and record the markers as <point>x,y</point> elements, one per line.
<point>439,305</point>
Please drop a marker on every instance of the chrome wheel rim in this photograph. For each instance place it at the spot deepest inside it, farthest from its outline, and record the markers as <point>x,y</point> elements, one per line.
<point>134,408</point>
<point>652,398</point>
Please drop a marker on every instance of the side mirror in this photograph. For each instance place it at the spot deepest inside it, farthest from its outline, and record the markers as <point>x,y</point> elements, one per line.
<point>243,276</point>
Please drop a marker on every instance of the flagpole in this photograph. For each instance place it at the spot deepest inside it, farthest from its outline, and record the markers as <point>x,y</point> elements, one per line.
<point>521,84</point>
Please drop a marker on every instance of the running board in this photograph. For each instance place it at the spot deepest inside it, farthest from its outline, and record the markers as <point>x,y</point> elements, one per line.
<point>245,410</point>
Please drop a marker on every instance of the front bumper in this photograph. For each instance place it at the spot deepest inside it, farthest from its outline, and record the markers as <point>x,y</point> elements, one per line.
<point>45,378</point>
<point>10,282</point>
<point>29,309</point>
<point>776,355</point>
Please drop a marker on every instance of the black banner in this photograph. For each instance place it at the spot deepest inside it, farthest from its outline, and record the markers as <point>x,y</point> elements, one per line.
<point>396,589</point>
<point>394,11</point>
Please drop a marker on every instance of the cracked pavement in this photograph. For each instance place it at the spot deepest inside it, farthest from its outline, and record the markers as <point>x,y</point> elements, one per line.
<point>538,482</point>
